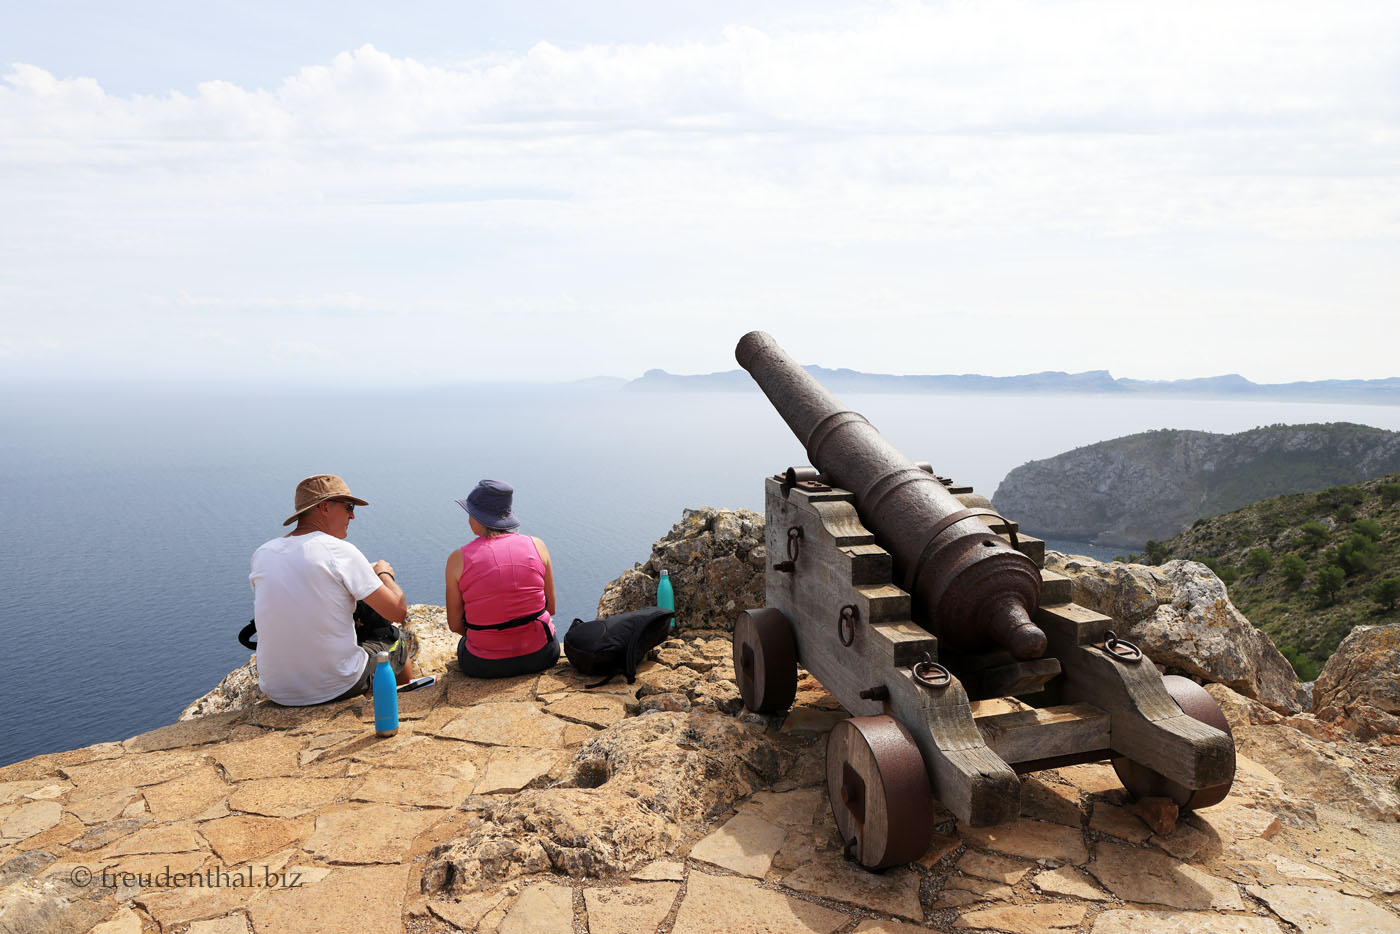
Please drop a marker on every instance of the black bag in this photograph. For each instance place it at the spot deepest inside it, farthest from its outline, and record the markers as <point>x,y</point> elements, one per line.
<point>613,645</point>
<point>369,625</point>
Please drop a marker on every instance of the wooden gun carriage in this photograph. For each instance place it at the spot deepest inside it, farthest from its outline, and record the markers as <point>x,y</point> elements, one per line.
<point>912,603</point>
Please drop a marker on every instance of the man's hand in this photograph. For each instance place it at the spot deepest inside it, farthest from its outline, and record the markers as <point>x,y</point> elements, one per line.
<point>383,567</point>
<point>388,601</point>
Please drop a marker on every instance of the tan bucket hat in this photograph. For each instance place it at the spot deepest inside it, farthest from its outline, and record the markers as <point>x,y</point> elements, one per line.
<point>318,489</point>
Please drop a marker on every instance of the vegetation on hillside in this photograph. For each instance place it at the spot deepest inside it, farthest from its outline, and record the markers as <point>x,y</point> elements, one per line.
<point>1306,568</point>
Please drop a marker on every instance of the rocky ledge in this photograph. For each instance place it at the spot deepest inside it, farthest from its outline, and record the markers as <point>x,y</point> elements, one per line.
<point>534,804</point>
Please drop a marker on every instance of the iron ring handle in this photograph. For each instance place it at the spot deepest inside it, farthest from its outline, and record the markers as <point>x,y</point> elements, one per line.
<point>930,674</point>
<point>846,624</point>
<point>1121,649</point>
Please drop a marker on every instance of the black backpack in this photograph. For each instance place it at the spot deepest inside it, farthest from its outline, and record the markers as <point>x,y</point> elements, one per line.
<point>613,645</point>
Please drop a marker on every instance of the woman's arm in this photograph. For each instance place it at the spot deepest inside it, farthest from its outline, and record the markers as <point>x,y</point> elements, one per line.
<point>456,615</point>
<point>548,576</point>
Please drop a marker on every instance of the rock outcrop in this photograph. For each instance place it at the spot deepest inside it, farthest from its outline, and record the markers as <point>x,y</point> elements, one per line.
<point>715,558</point>
<point>1181,616</point>
<point>1155,484</point>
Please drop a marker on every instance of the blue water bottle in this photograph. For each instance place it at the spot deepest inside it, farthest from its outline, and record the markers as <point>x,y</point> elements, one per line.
<point>666,597</point>
<point>386,697</point>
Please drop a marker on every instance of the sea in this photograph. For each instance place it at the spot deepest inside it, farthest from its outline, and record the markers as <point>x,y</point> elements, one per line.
<point>128,514</point>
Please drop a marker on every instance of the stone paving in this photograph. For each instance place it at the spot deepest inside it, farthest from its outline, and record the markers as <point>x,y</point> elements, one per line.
<point>281,819</point>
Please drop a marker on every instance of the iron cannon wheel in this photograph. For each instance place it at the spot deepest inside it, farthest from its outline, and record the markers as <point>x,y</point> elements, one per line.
<point>879,791</point>
<point>765,660</point>
<point>1146,783</point>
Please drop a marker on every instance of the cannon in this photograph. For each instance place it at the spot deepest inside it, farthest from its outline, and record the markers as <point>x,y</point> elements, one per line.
<point>932,620</point>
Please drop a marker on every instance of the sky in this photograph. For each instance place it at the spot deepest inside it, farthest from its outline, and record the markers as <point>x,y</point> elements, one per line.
<point>437,193</point>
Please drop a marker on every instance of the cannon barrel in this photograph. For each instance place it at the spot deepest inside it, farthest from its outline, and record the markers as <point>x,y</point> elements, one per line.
<point>968,586</point>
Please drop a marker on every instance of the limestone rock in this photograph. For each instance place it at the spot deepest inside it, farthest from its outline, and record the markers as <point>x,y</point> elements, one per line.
<point>894,891</point>
<point>540,909</point>
<point>639,787</point>
<point>1144,876</point>
<point>629,908</point>
<point>744,844</point>
<point>1135,921</point>
<point>1181,616</point>
<point>1365,669</point>
<point>1026,919</point>
<point>715,558</point>
<point>1323,911</point>
<point>357,899</point>
<point>1317,771</point>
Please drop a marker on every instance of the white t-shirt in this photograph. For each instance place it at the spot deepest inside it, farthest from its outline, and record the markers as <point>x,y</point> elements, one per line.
<point>304,592</point>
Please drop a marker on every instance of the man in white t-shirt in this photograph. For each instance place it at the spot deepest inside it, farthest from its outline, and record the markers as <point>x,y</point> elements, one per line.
<point>311,589</point>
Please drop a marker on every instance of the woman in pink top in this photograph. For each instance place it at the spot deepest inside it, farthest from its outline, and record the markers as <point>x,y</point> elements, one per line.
<point>500,591</point>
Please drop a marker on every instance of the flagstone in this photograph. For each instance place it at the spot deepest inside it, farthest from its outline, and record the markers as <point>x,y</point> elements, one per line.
<point>1031,839</point>
<point>458,760</point>
<point>510,770</point>
<point>228,924</point>
<point>1119,822</point>
<point>801,809</point>
<point>165,838</point>
<point>466,911</point>
<point>13,791</point>
<point>940,845</point>
<point>980,889</point>
<point>507,724</point>
<point>994,868</point>
<point>1070,883</point>
<point>31,819</point>
<point>126,921</point>
<point>1237,823</point>
<point>889,927</point>
<point>469,692</point>
<point>1136,921</point>
<point>368,898</point>
<point>287,797</point>
<point>97,837</point>
<point>213,728</point>
<point>410,787</point>
<point>271,756</point>
<point>142,769</point>
<point>1322,911</point>
<point>223,891</point>
<point>323,745</point>
<point>895,891</point>
<point>1146,876</point>
<point>743,844</point>
<point>595,710</point>
<point>51,791</point>
<point>1184,842</point>
<point>1051,801</point>
<point>661,870</point>
<point>241,838</point>
<point>541,909</point>
<point>376,833</point>
<point>316,716</point>
<point>629,909</point>
<point>740,906</point>
<point>1024,919</point>
<point>187,795</point>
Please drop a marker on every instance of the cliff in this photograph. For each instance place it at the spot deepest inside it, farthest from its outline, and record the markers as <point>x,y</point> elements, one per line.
<point>532,804</point>
<point>1155,484</point>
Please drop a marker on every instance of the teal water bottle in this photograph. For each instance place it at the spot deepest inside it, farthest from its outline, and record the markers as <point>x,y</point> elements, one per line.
<point>665,596</point>
<point>386,697</point>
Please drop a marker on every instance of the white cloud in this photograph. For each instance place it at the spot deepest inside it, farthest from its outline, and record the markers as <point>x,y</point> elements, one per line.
<point>999,161</point>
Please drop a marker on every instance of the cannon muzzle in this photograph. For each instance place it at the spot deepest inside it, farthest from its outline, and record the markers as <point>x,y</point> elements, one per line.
<point>969,587</point>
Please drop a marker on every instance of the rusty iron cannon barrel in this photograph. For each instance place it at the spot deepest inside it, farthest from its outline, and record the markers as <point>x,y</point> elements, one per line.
<point>969,587</point>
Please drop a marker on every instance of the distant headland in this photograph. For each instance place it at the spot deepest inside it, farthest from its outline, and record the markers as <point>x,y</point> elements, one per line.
<point>1230,386</point>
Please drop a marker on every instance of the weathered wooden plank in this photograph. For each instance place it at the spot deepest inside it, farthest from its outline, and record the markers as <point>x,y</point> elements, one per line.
<point>1055,588</point>
<point>1046,732</point>
<point>906,643</point>
<point>1075,624</point>
<point>1012,678</point>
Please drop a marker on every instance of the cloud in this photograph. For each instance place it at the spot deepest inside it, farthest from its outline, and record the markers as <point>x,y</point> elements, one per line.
<point>928,162</point>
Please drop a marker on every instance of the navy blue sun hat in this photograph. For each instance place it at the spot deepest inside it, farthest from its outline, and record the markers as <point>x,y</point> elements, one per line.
<point>490,503</point>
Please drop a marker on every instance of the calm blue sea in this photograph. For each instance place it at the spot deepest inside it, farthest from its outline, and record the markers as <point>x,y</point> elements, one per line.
<point>127,516</point>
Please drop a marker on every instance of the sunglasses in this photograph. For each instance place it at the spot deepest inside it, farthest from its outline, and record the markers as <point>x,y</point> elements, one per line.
<point>349,507</point>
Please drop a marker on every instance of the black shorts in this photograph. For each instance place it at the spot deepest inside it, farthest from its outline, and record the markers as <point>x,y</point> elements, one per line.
<point>476,667</point>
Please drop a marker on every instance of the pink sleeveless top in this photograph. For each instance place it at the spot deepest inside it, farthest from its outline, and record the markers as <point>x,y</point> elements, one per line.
<point>503,579</point>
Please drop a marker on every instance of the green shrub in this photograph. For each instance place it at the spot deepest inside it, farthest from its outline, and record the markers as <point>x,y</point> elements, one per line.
<point>1329,583</point>
<point>1390,493</point>
<point>1259,561</point>
<point>1367,527</point>
<point>1294,570</point>
<point>1209,562</point>
<point>1228,573</point>
<point>1314,533</point>
<point>1356,554</point>
<point>1156,552</point>
<point>1305,668</point>
<point>1345,512</point>
<point>1336,496</point>
<point>1387,593</point>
